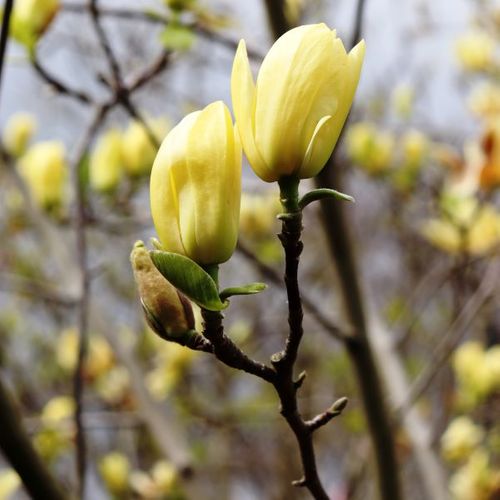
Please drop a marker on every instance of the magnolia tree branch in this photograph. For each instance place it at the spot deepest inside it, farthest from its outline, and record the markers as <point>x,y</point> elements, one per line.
<point>83,303</point>
<point>19,451</point>
<point>4,34</point>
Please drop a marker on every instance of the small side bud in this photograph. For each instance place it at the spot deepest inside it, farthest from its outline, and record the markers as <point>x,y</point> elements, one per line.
<point>339,405</point>
<point>168,312</point>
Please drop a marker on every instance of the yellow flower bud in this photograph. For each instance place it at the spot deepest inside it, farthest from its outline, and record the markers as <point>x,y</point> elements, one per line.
<point>115,470</point>
<point>167,311</point>
<point>460,439</point>
<point>106,163</point>
<point>415,146</point>
<point>165,476</point>
<point>290,120</point>
<point>485,100</point>
<point>18,132</point>
<point>30,19</point>
<point>196,186</point>
<point>138,151</point>
<point>475,50</point>
<point>44,170</point>
<point>258,214</point>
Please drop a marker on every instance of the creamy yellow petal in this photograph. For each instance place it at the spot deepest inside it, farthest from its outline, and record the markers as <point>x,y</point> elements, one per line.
<point>355,61</point>
<point>206,208</point>
<point>243,98</point>
<point>168,175</point>
<point>293,75</point>
<point>317,152</point>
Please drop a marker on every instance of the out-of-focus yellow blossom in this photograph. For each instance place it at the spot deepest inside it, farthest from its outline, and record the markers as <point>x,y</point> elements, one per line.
<point>99,360</point>
<point>168,312</point>
<point>57,409</point>
<point>9,483</point>
<point>138,151</point>
<point>44,169</point>
<point>53,442</point>
<point>460,439</point>
<point>402,100</point>
<point>115,470</point>
<point>30,19</point>
<point>164,475</point>
<point>160,483</point>
<point>369,148</point>
<point>415,146</point>
<point>196,186</point>
<point>475,480</point>
<point>464,176</point>
<point>476,51</point>
<point>258,214</point>
<point>171,365</point>
<point>18,132</point>
<point>485,100</point>
<point>290,119</point>
<point>106,163</point>
<point>472,375</point>
<point>113,385</point>
<point>492,367</point>
<point>466,227</point>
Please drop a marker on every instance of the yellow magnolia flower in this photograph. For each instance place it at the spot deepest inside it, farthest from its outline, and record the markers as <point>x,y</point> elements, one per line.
<point>290,119</point>
<point>106,162</point>
<point>57,409</point>
<point>370,148</point>
<point>476,50</point>
<point>415,146</point>
<point>30,19</point>
<point>167,311</point>
<point>115,471</point>
<point>137,148</point>
<point>196,186</point>
<point>44,169</point>
<point>18,131</point>
<point>460,439</point>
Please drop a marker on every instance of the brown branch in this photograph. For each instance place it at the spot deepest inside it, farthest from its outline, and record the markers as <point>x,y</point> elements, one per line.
<point>19,451</point>
<point>83,304</point>
<point>4,34</point>
<point>57,85</point>
<point>229,353</point>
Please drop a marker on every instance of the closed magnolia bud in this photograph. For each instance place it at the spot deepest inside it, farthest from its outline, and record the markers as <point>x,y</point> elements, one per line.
<point>106,162</point>
<point>138,151</point>
<point>44,169</point>
<point>17,133</point>
<point>460,439</point>
<point>290,120</point>
<point>30,19</point>
<point>196,187</point>
<point>168,312</point>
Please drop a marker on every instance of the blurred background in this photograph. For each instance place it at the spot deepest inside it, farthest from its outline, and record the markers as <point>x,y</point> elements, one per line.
<point>421,156</point>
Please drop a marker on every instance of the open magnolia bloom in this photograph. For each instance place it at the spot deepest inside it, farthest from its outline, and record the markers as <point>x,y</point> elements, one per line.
<point>196,187</point>
<point>290,119</point>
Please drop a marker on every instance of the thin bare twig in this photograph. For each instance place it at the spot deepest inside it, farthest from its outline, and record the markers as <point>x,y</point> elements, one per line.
<point>4,34</point>
<point>452,337</point>
<point>83,303</point>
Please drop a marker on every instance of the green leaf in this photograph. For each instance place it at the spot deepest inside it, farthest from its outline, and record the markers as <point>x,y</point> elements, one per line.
<point>189,278</point>
<point>177,37</point>
<point>250,289</point>
<point>321,194</point>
